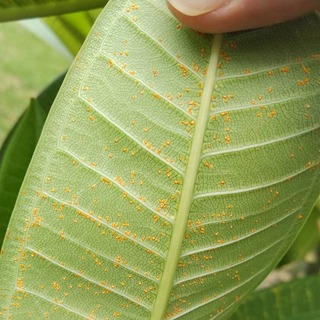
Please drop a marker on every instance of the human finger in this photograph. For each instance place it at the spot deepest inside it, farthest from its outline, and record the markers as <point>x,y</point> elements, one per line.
<point>215,16</point>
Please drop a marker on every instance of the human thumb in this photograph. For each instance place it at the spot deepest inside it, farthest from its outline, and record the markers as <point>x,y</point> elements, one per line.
<point>214,16</point>
<point>197,7</point>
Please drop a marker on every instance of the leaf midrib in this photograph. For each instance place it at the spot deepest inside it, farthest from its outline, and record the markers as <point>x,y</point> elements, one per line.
<point>186,197</point>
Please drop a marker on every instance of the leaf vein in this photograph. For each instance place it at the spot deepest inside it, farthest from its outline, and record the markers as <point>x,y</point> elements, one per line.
<point>244,75</point>
<point>60,305</point>
<point>231,242</point>
<point>257,187</point>
<point>163,48</point>
<point>155,155</point>
<point>106,225</point>
<point>258,145</point>
<point>247,259</point>
<point>129,193</point>
<point>122,294</point>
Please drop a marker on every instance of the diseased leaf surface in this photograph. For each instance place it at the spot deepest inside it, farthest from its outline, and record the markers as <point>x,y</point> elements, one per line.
<point>161,139</point>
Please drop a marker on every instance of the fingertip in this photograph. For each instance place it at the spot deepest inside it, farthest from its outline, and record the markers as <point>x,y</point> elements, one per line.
<point>212,22</point>
<point>197,8</point>
<point>239,15</point>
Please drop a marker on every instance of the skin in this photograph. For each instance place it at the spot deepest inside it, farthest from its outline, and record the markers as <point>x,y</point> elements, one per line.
<point>247,14</point>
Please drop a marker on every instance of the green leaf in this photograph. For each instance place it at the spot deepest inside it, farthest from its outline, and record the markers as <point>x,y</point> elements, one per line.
<point>23,144</point>
<point>296,300</point>
<point>174,171</point>
<point>307,239</point>
<point>17,150</point>
<point>21,9</point>
<point>72,29</point>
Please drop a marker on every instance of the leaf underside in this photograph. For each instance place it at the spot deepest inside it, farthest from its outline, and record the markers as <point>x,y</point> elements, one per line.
<point>174,171</point>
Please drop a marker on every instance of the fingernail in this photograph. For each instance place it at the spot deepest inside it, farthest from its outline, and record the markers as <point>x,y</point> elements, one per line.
<point>197,7</point>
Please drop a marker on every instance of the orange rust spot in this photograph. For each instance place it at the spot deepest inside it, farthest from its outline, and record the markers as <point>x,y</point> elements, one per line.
<point>183,69</point>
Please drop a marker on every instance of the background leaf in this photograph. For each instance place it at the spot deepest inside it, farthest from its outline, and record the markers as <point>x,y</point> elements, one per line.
<point>296,300</point>
<point>17,150</point>
<point>174,171</point>
<point>21,9</point>
<point>72,29</point>
<point>307,239</point>
<point>20,81</point>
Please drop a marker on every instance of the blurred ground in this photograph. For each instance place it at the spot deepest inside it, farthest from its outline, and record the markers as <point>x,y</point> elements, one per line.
<point>27,65</point>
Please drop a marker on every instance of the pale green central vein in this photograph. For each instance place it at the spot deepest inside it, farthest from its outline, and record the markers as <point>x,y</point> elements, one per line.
<point>181,219</point>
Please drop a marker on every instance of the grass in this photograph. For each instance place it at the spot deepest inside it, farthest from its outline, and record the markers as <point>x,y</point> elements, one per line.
<point>27,65</point>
